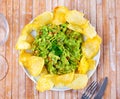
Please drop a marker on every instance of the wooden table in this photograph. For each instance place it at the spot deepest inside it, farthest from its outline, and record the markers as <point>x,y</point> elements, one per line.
<point>103,14</point>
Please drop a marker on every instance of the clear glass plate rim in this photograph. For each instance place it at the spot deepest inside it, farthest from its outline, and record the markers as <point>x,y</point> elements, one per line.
<point>7,29</point>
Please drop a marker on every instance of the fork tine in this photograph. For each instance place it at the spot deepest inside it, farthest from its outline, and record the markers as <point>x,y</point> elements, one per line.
<point>90,90</point>
<point>90,86</point>
<point>93,90</point>
<point>93,87</point>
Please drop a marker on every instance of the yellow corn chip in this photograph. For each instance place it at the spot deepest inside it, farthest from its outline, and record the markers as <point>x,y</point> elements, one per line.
<point>43,19</point>
<point>44,83</point>
<point>75,17</point>
<point>83,66</point>
<point>91,46</point>
<point>59,15</point>
<point>35,65</point>
<point>91,63</point>
<point>63,79</point>
<point>79,81</point>
<point>89,31</point>
<point>24,57</point>
<point>22,45</point>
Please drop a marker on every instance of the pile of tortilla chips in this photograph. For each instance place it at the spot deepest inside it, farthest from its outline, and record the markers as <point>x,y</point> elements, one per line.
<point>35,65</point>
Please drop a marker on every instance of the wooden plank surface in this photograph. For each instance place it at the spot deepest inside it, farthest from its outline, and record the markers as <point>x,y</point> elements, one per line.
<point>103,14</point>
<point>2,50</point>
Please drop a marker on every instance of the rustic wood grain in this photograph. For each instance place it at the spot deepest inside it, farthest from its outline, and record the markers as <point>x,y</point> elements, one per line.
<point>99,28</point>
<point>112,47</point>
<point>104,15</point>
<point>15,69</point>
<point>106,40</point>
<point>22,76</point>
<point>8,88</point>
<point>117,32</point>
<point>2,52</point>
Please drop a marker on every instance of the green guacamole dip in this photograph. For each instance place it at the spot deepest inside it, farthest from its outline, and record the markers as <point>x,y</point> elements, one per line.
<point>60,47</point>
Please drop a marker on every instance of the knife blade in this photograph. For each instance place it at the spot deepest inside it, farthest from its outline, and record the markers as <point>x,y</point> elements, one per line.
<point>101,89</point>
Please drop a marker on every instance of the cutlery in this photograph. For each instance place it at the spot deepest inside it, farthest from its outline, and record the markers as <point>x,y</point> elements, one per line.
<point>89,92</point>
<point>102,88</point>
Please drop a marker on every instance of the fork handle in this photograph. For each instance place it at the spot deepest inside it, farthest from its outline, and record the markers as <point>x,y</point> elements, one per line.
<point>102,89</point>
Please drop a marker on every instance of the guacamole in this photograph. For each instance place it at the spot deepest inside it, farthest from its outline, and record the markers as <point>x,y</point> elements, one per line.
<point>59,46</point>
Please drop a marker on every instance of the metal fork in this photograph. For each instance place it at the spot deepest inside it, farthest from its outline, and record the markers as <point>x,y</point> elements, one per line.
<point>89,92</point>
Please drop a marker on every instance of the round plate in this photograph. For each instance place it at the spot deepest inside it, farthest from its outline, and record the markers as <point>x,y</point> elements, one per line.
<point>89,74</point>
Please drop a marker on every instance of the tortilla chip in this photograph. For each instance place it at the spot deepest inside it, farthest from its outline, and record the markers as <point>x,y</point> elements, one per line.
<point>59,15</point>
<point>79,81</point>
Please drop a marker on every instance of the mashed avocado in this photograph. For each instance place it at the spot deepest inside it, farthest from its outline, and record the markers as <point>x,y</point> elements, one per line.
<point>60,47</point>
